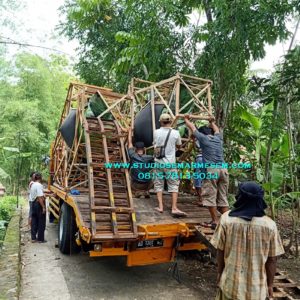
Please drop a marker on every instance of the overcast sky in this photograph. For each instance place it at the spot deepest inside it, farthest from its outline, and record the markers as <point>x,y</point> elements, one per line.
<point>36,24</point>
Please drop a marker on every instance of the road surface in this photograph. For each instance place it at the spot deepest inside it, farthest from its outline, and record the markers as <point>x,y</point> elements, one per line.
<point>48,274</point>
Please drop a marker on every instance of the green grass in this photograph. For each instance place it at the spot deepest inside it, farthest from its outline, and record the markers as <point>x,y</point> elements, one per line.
<point>8,206</point>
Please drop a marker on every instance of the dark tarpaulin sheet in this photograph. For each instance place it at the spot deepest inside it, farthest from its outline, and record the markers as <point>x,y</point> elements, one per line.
<point>67,129</point>
<point>143,124</point>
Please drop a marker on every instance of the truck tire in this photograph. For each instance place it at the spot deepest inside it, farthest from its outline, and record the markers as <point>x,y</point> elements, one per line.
<point>66,231</point>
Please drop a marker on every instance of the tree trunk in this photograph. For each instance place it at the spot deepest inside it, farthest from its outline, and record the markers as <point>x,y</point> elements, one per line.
<point>207,9</point>
<point>269,147</point>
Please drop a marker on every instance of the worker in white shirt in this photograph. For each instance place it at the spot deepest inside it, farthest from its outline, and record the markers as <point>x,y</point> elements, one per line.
<point>32,180</point>
<point>38,217</point>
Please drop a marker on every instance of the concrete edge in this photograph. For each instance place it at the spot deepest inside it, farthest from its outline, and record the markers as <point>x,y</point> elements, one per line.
<point>10,259</point>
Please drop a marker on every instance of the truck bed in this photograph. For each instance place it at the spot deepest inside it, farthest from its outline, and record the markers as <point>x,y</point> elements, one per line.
<point>145,213</point>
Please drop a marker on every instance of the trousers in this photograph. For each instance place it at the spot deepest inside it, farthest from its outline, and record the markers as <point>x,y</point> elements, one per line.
<point>38,222</point>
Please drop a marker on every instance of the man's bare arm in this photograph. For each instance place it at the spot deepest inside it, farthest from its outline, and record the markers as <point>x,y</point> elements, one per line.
<point>48,193</point>
<point>220,263</point>
<point>271,270</point>
<point>189,124</point>
<point>41,200</point>
<point>130,138</point>
<point>214,127</point>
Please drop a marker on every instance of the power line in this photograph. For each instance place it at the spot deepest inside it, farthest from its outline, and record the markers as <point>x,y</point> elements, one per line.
<point>13,42</point>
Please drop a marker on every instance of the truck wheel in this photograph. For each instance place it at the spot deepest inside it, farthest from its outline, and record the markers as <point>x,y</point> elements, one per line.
<point>66,231</point>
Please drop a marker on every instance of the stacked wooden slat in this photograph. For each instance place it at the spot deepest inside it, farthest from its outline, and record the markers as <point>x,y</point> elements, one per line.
<point>111,208</point>
<point>285,288</point>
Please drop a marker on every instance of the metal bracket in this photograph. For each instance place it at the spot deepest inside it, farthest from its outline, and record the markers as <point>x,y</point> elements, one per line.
<point>173,269</point>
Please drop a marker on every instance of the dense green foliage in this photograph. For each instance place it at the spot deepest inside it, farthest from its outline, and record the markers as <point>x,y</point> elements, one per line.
<point>32,94</point>
<point>7,208</point>
<point>8,205</point>
<point>153,39</point>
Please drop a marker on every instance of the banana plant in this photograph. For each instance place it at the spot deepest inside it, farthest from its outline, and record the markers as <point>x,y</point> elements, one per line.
<point>262,130</point>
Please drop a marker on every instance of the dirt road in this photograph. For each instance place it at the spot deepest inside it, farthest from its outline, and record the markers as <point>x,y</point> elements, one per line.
<point>47,274</point>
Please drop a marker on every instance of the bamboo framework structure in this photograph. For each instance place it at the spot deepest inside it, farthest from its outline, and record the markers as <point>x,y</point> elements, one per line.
<point>66,160</point>
<point>105,205</point>
<point>181,94</point>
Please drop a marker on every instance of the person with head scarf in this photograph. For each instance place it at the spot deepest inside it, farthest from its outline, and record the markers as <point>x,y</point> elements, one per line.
<point>247,243</point>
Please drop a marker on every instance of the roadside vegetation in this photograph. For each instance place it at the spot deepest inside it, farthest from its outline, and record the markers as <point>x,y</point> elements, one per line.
<point>153,39</point>
<point>8,206</point>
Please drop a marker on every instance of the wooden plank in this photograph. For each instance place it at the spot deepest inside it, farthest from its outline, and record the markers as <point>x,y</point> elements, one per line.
<point>203,238</point>
<point>285,284</point>
<point>177,96</point>
<point>109,179</point>
<point>90,174</point>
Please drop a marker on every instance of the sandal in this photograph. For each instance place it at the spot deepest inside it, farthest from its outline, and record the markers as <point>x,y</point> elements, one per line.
<point>158,210</point>
<point>210,224</point>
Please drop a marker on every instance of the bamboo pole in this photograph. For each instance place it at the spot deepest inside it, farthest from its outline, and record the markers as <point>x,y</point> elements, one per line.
<point>193,95</point>
<point>197,95</point>
<point>109,108</point>
<point>90,174</point>
<point>164,102</point>
<point>195,78</point>
<point>177,96</point>
<point>196,117</point>
<point>127,179</point>
<point>153,111</point>
<point>209,100</point>
<point>157,84</point>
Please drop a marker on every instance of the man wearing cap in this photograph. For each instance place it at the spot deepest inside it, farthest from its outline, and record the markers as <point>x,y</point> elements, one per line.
<point>140,182</point>
<point>214,191</point>
<point>247,243</point>
<point>172,136</point>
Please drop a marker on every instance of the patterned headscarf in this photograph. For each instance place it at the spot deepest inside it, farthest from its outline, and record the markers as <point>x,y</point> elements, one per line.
<point>249,201</point>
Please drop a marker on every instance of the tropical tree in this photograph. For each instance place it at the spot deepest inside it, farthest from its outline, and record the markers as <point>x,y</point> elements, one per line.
<point>32,96</point>
<point>153,39</point>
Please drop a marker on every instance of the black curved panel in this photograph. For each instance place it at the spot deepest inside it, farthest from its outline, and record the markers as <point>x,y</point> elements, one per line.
<point>143,124</point>
<point>67,128</point>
